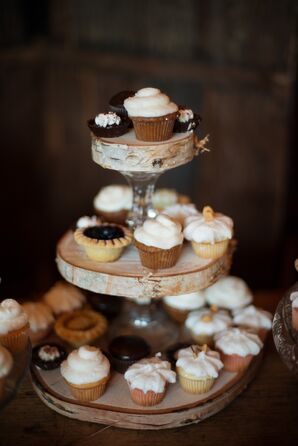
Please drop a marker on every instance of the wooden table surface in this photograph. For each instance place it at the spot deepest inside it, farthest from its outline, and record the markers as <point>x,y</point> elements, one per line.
<point>266,413</point>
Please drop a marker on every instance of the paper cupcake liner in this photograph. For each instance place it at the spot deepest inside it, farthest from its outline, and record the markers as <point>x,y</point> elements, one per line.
<point>103,254</point>
<point>118,217</point>
<point>295,318</point>
<point>156,258</point>
<point>235,363</point>
<point>146,399</point>
<point>154,129</point>
<point>88,392</point>
<point>176,314</point>
<point>203,339</point>
<point>195,386</point>
<point>210,251</point>
<point>16,340</point>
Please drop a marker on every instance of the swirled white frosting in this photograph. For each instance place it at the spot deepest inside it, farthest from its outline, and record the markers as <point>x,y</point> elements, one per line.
<point>252,316</point>
<point>161,232</point>
<point>294,299</point>
<point>149,103</point>
<point>207,322</point>
<point>107,119</point>
<point>229,292</point>
<point>113,198</point>
<point>200,364</point>
<point>85,365</point>
<point>150,374</point>
<point>39,315</point>
<point>180,211</point>
<point>234,341</point>
<point>190,301</point>
<point>85,221</point>
<point>163,198</point>
<point>12,316</point>
<point>185,115</point>
<point>63,297</point>
<point>200,230</point>
<point>6,362</point>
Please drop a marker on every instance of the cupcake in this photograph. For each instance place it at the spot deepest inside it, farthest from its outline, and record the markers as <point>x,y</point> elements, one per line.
<point>105,242</point>
<point>126,350</point>
<point>64,298</point>
<point>148,379</point>
<point>186,120</point>
<point>152,113</point>
<point>178,307</point>
<point>108,125</point>
<point>197,368</point>
<point>86,371</point>
<point>85,221</point>
<point>229,292</point>
<point>253,318</point>
<point>48,356</point>
<point>237,348</point>
<point>6,363</point>
<point>40,319</point>
<point>14,326</point>
<point>80,327</point>
<point>294,300</point>
<point>209,233</point>
<point>159,242</point>
<point>164,198</point>
<point>204,324</point>
<point>113,202</point>
<point>180,212</point>
<point>116,102</point>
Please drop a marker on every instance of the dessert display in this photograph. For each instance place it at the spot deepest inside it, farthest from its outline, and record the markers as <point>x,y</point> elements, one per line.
<point>113,202</point>
<point>180,212</point>
<point>63,297</point>
<point>152,113</point>
<point>41,320</point>
<point>105,242</point>
<point>253,318</point>
<point>126,350</point>
<point>80,327</point>
<point>148,379</point>
<point>179,307</point>
<point>6,363</point>
<point>108,125</point>
<point>209,233</point>
<point>237,348</point>
<point>294,300</point>
<point>86,371</point>
<point>159,242</point>
<point>14,326</point>
<point>197,368</point>
<point>186,120</point>
<point>229,292</point>
<point>48,356</point>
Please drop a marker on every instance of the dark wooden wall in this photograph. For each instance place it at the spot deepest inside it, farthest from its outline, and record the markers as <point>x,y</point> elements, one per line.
<point>233,61</point>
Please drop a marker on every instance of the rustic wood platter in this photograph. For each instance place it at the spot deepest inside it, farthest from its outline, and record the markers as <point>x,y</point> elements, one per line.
<point>115,407</point>
<point>127,277</point>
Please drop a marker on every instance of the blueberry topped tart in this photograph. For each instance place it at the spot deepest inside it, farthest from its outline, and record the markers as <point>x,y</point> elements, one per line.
<point>108,125</point>
<point>186,121</point>
<point>48,356</point>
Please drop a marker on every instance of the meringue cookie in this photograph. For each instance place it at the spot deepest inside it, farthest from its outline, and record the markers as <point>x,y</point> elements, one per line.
<point>207,322</point>
<point>6,362</point>
<point>63,297</point>
<point>199,364</point>
<point>149,102</point>
<point>113,198</point>
<point>234,341</point>
<point>252,317</point>
<point>160,232</point>
<point>12,316</point>
<point>229,292</point>
<point>201,230</point>
<point>190,301</point>
<point>39,315</point>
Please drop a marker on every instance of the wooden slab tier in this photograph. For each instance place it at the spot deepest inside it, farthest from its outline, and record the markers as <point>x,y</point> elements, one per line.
<point>115,408</point>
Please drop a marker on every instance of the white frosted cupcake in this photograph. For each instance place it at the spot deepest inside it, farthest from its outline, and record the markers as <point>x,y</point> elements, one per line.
<point>294,300</point>
<point>159,242</point>
<point>180,306</point>
<point>113,202</point>
<point>237,348</point>
<point>63,298</point>
<point>148,379</point>
<point>152,113</point>
<point>229,292</point>
<point>86,371</point>
<point>86,222</point>
<point>6,363</point>
<point>40,319</point>
<point>209,233</point>
<point>253,318</point>
<point>180,212</point>
<point>14,325</point>
<point>197,368</point>
<point>204,324</point>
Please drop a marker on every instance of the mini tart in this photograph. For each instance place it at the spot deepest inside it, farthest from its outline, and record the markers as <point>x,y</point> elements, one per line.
<point>48,356</point>
<point>80,327</point>
<point>111,131</point>
<point>187,126</point>
<point>103,243</point>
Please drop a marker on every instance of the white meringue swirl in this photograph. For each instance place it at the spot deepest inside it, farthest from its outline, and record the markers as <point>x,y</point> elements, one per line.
<point>12,316</point>
<point>200,230</point>
<point>201,364</point>
<point>149,102</point>
<point>207,322</point>
<point>113,198</point>
<point>180,212</point>
<point>252,316</point>
<point>234,341</point>
<point>229,292</point>
<point>190,301</point>
<point>161,232</point>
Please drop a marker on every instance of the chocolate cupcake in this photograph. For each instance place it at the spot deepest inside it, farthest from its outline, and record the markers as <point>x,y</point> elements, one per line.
<point>108,125</point>
<point>48,356</point>
<point>109,306</point>
<point>186,121</point>
<point>126,350</point>
<point>116,102</point>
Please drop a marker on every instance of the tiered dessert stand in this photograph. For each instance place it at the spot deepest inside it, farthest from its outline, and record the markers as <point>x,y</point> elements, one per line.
<point>142,163</point>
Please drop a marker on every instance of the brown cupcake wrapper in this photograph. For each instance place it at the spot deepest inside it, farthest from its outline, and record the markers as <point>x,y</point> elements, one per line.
<point>16,340</point>
<point>195,386</point>
<point>157,258</point>
<point>154,129</point>
<point>235,363</point>
<point>91,393</point>
<point>146,399</point>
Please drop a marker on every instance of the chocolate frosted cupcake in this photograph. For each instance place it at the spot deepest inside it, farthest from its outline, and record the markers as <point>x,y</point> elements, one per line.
<point>108,125</point>
<point>186,120</point>
<point>116,102</point>
<point>48,356</point>
<point>126,350</point>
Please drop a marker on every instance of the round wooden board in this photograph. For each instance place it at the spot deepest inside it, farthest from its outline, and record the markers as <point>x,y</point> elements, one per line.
<point>115,407</point>
<point>128,278</point>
